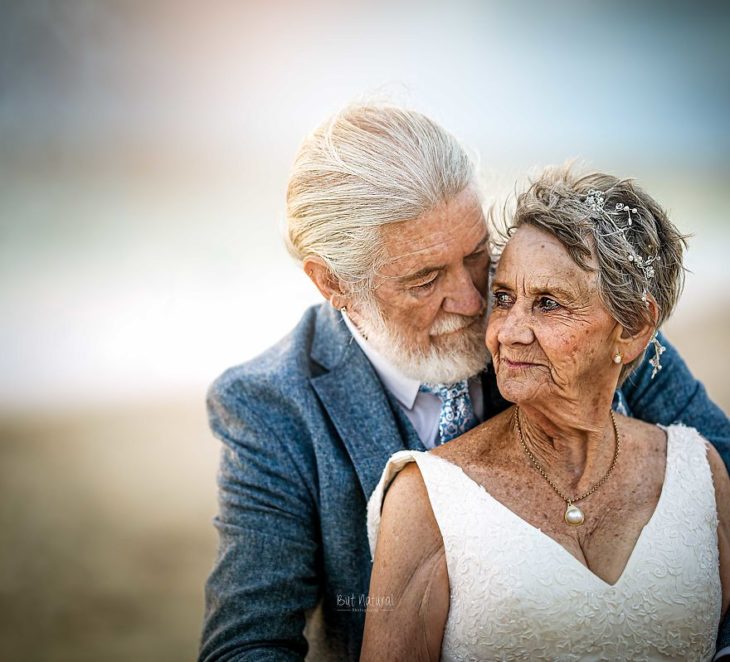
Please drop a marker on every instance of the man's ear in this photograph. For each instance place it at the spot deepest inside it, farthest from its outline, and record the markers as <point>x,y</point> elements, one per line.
<point>330,287</point>
<point>632,345</point>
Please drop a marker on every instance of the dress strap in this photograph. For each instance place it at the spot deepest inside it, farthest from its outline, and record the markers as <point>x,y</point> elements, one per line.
<point>395,463</point>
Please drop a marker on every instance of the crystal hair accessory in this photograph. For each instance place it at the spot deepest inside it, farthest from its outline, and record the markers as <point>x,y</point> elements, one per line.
<point>658,351</point>
<point>622,221</point>
<point>595,199</point>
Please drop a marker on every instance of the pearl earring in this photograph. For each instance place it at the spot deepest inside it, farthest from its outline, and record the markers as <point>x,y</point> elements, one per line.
<point>618,358</point>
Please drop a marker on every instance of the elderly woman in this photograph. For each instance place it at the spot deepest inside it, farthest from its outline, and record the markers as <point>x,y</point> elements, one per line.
<point>560,529</point>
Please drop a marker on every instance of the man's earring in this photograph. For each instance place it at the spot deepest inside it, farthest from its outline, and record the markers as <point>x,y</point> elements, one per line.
<point>343,309</point>
<point>617,358</point>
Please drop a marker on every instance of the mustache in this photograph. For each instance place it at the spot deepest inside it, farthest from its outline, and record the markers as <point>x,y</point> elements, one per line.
<point>454,322</point>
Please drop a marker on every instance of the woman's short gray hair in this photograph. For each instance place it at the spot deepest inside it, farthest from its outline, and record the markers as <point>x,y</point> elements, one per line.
<point>367,166</point>
<point>639,251</point>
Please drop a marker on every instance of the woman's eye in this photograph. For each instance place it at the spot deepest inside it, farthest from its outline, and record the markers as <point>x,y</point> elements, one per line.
<point>502,299</point>
<point>547,304</point>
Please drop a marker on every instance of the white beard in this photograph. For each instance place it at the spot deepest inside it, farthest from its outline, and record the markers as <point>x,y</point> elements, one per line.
<point>457,349</point>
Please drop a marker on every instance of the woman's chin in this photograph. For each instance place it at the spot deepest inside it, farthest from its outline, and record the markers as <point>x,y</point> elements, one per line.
<point>514,390</point>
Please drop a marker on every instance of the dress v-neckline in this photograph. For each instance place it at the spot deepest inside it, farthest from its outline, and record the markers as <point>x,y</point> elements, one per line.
<point>538,533</point>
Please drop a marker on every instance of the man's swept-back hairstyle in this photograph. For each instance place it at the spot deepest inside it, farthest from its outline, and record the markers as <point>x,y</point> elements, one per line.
<point>367,166</point>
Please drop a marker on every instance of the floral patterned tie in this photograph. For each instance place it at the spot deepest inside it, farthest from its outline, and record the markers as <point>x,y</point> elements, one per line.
<point>457,413</point>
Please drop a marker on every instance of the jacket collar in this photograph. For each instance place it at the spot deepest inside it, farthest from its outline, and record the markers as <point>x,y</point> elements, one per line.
<point>331,341</point>
<point>354,398</point>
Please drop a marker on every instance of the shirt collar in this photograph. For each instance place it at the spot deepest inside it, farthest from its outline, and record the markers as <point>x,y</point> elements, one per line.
<point>403,388</point>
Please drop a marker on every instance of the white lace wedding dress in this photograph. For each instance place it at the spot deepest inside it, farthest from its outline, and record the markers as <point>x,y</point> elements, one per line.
<point>516,594</point>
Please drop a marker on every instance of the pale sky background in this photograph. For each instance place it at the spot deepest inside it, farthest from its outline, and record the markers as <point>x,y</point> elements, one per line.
<point>145,149</point>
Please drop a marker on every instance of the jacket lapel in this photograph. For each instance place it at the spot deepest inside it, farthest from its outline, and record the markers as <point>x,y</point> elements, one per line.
<point>407,431</point>
<point>354,398</point>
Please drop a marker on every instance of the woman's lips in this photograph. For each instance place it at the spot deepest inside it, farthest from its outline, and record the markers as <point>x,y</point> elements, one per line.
<point>518,364</point>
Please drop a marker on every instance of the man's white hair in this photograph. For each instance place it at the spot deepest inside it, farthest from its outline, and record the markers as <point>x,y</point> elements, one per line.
<point>367,166</point>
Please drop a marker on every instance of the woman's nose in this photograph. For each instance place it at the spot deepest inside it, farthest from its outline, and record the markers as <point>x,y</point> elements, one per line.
<point>516,328</point>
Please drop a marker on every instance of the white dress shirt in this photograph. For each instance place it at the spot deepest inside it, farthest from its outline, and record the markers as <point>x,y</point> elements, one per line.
<point>422,409</point>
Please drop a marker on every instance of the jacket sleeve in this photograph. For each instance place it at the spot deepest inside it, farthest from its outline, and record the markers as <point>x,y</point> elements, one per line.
<point>675,396</point>
<point>264,577</point>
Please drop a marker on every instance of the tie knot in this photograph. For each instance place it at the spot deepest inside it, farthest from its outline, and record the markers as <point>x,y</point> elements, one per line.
<point>457,413</point>
<point>446,391</point>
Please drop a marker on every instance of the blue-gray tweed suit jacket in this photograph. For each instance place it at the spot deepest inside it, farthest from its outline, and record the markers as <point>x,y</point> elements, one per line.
<point>307,429</point>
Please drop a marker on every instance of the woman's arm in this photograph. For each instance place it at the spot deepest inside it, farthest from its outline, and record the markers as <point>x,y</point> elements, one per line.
<point>409,587</point>
<point>722,499</point>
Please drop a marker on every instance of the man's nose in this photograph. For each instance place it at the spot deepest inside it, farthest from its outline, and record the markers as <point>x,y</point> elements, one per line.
<point>515,328</point>
<point>464,298</point>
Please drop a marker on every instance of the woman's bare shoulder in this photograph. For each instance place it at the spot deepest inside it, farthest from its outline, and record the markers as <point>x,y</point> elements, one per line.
<point>645,444</point>
<point>409,576</point>
<point>407,519</point>
<point>720,479</point>
<point>644,436</point>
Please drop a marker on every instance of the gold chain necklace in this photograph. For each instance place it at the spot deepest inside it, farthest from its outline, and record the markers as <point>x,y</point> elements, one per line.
<point>573,515</point>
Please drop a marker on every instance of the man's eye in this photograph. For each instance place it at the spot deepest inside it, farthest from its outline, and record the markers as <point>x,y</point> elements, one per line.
<point>477,255</point>
<point>547,304</point>
<point>424,286</point>
<point>502,299</point>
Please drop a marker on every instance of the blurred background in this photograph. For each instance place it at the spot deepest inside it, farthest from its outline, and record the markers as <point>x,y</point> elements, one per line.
<point>144,155</point>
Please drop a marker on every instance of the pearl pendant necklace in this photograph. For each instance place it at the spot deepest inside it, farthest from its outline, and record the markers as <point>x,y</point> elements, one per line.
<point>573,515</point>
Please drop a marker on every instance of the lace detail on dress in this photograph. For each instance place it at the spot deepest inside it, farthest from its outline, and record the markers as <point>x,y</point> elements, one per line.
<point>516,594</point>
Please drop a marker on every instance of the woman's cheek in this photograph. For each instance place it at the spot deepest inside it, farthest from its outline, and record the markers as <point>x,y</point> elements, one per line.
<point>571,345</point>
<point>492,333</point>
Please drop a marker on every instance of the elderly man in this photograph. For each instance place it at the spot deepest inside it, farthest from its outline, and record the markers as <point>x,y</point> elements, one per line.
<point>385,217</point>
